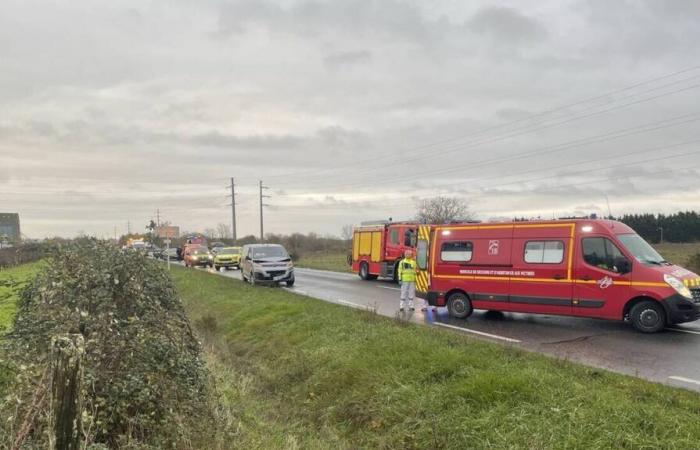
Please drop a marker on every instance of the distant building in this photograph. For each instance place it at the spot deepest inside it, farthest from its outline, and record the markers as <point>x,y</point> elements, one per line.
<point>9,227</point>
<point>167,232</point>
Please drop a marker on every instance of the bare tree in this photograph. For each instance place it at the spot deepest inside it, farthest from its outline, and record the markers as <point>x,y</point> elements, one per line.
<point>223,231</point>
<point>210,233</point>
<point>346,233</point>
<point>442,209</point>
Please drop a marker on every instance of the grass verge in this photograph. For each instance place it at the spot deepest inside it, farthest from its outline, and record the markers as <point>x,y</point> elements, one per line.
<point>294,372</point>
<point>336,261</point>
<point>11,280</point>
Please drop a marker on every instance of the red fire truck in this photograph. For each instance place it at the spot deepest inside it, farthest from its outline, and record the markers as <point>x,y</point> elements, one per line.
<point>378,246</point>
<point>585,268</point>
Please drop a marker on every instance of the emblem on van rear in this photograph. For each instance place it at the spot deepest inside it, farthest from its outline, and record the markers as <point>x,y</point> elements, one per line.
<point>605,282</point>
<point>493,247</point>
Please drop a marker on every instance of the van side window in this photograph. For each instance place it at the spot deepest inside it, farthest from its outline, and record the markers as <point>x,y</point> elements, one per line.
<point>422,254</point>
<point>394,236</point>
<point>601,253</point>
<point>544,252</point>
<point>456,251</point>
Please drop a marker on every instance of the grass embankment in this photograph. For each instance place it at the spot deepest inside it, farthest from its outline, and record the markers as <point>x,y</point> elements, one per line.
<point>11,280</point>
<point>678,253</point>
<point>296,372</point>
<point>335,261</point>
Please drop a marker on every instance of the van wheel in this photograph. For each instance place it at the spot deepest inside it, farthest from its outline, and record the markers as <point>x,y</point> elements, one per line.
<point>290,282</point>
<point>459,305</point>
<point>648,317</point>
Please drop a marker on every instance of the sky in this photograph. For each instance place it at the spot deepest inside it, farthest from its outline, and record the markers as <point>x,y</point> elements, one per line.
<point>346,110</point>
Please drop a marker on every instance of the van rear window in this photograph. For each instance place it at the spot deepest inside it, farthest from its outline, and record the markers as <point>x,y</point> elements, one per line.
<point>544,252</point>
<point>456,251</point>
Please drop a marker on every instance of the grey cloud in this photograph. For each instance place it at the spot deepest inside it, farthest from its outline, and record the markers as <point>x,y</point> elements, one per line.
<point>506,24</point>
<point>349,58</point>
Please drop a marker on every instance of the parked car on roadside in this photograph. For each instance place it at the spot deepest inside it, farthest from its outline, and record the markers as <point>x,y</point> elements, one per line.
<point>227,257</point>
<point>169,254</point>
<point>266,263</point>
<point>198,256</point>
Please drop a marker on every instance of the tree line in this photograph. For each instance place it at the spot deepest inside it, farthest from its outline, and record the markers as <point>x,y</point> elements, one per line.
<point>655,228</point>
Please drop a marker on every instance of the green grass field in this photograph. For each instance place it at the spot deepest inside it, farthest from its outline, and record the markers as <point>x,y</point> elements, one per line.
<point>8,295</point>
<point>335,261</point>
<point>294,372</point>
<point>678,253</point>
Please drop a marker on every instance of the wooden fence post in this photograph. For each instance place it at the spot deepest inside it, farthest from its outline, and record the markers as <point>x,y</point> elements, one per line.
<point>66,402</point>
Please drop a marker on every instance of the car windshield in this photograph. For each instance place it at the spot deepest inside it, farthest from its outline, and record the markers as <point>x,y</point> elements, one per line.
<point>269,252</point>
<point>640,249</point>
<point>229,251</point>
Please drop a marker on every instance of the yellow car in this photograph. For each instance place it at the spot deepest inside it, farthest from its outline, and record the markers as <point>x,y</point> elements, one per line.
<point>227,257</point>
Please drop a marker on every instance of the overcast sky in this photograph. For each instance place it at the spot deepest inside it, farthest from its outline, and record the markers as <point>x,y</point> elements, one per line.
<point>347,110</point>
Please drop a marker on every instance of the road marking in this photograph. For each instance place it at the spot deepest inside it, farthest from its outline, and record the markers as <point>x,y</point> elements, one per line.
<point>685,380</point>
<point>480,333</point>
<point>684,331</point>
<point>388,287</point>
<point>355,305</point>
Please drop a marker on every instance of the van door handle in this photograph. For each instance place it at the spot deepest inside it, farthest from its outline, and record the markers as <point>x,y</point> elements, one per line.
<point>558,277</point>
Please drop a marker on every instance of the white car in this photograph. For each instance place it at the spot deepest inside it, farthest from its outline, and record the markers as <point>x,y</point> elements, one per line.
<point>266,263</point>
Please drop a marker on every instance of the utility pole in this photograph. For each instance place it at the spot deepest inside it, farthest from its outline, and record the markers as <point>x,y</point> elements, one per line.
<point>157,217</point>
<point>661,240</point>
<point>233,208</point>
<point>262,235</point>
<point>115,234</point>
<point>128,227</point>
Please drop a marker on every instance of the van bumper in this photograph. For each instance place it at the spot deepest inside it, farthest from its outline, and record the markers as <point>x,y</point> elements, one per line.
<point>680,309</point>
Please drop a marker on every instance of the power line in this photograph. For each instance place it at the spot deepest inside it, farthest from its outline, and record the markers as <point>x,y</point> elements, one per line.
<point>544,113</point>
<point>605,137</point>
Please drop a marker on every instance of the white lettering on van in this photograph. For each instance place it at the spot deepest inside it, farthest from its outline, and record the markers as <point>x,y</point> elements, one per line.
<point>498,273</point>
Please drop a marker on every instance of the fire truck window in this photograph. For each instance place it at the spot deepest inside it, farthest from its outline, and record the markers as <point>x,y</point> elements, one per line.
<point>456,251</point>
<point>544,252</point>
<point>394,236</point>
<point>410,238</point>
<point>601,253</point>
<point>422,255</point>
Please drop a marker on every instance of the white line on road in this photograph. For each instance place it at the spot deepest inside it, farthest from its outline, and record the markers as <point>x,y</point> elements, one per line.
<point>685,380</point>
<point>388,287</point>
<point>355,305</point>
<point>684,331</point>
<point>480,333</point>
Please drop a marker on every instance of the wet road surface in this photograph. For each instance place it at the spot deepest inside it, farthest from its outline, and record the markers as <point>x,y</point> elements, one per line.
<point>671,356</point>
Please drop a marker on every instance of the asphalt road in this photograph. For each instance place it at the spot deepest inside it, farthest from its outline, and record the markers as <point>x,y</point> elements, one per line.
<point>670,357</point>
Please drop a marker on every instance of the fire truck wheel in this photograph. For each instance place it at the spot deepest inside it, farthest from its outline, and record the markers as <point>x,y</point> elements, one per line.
<point>364,271</point>
<point>648,317</point>
<point>459,305</point>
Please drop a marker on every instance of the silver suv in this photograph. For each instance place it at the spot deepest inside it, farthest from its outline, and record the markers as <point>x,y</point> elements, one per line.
<point>266,263</point>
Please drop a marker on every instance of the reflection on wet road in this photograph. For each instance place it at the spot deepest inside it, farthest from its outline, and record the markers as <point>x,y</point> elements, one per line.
<point>671,357</point>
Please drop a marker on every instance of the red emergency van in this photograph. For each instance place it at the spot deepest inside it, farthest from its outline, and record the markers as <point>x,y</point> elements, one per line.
<point>585,268</point>
<point>378,246</point>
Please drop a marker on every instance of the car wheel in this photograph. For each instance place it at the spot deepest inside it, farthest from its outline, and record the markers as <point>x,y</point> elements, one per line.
<point>216,268</point>
<point>459,305</point>
<point>648,317</point>
<point>290,282</point>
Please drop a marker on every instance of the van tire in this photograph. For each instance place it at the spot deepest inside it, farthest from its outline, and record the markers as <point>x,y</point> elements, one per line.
<point>648,316</point>
<point>459,305</point>
<point>290,282</point>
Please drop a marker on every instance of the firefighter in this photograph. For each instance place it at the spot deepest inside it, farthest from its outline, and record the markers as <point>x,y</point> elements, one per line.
<point>407,278</point>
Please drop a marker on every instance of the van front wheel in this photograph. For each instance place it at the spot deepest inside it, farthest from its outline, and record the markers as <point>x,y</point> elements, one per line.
<point>459,305</point>
<point>648,317</point>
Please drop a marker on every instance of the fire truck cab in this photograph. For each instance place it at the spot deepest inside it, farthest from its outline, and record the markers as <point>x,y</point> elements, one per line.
<point>378,246</point>
<point>582,268</point>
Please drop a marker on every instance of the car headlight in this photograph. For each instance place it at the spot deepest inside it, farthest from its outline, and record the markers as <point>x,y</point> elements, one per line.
<point>678,285</point>
<point>209,256</point>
